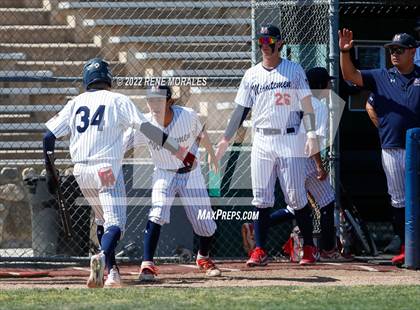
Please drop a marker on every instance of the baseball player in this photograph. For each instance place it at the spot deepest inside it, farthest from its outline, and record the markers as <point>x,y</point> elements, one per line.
<point>96,121</point>
<point>396,106</point>
<point>316,182</point>
<point>277,91</point>
<point>172,178</point>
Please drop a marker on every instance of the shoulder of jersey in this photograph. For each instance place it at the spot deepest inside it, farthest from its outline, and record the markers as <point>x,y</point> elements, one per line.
<point>183,110</point>
<point>291,63</point>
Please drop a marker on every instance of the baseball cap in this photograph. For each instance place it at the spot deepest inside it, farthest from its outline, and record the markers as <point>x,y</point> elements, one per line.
<point>403,40</point>
<point>318,75</point>
<point>159,91</point>
<point>269,31</point>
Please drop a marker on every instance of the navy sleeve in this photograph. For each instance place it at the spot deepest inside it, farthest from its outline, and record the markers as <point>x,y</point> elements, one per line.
<point>48,145</point>
<point>236,120</point>
<point>371,78</point>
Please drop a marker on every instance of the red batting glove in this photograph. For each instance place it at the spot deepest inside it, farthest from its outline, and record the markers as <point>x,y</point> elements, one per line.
<point>189,160</point>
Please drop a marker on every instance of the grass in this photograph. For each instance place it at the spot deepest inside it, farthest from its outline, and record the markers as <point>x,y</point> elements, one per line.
<point>277,297</point>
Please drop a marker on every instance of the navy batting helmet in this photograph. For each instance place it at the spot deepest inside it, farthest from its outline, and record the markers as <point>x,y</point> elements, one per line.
<point>96,70</point>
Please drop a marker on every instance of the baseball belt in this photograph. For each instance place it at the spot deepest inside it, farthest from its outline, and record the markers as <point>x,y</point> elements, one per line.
<point>274,131</point>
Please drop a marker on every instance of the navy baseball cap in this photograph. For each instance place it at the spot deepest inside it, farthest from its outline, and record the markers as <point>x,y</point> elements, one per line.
<point>269,31</point>
<point>402,40</point>
<point>159,92</point>
<point>318,75</point>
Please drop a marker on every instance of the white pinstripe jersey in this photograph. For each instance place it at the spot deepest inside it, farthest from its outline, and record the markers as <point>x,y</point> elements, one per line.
<point>96,122</point>
<point>185,128</point>
<point>321,117</point>
<point>274,95</point>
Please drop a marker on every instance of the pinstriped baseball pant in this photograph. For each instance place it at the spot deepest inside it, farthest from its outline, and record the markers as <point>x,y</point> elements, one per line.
<point>322,191</point>
<point>393,162</point>
<point>108,203</point>
<point>192,191</point>
<point>268,162</point>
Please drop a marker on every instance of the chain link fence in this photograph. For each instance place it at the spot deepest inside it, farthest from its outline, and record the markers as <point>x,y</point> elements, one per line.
<point>203,47</point>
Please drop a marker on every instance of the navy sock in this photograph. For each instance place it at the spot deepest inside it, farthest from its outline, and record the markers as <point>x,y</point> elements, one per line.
<point>327,227</point>
<point>280,216</point>
<point>261,226</point>
<point>304,221</point>
<point>204,245</point>
<point>99,233</point>
<point>151,238</point>
<point>398,217</point>
<point>109,243</point>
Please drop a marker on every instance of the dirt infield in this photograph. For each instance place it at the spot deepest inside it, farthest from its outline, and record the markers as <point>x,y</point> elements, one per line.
<point>235,273</point>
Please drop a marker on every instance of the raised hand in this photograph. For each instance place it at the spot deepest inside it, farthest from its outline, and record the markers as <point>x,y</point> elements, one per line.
<point>345,41</point>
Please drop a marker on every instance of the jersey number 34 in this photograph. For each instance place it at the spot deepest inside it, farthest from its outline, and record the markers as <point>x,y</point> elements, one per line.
<point>96,120</point>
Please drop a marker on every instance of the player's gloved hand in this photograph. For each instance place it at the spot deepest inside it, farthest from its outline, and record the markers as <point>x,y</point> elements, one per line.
<point>345,40</point>
<point>52,179</point>
<point>186,157</point>
<point>311,145</point>
<point>189,160</point>
<point>222,146</point>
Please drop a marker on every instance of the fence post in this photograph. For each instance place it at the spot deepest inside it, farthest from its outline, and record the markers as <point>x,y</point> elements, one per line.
<point>412,199</point>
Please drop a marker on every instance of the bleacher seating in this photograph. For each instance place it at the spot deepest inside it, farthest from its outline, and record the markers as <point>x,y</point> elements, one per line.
<point>44,45</point>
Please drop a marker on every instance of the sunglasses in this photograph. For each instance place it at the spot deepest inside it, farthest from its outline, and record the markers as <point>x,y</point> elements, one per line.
<point>397,50</point>
<point>267,40</point>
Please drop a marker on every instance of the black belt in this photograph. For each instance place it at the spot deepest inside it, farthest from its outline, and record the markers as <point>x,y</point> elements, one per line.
<point>274,131</point>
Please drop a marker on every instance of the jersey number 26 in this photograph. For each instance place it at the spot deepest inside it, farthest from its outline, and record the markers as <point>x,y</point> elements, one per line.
<point>97,118</point>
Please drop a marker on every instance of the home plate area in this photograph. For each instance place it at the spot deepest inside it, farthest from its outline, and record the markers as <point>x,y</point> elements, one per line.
<point>234,273</point>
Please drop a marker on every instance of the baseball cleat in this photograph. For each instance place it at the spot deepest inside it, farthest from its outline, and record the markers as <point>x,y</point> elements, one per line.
<point>333,256</point>
<point>258,257</point>
<point>248,238</point>
<point>400,258</point>
<point>97,266</point>
<point>113,279</point>
<point>148,271</point>
<point>207,265</point>
<point>310,255</point>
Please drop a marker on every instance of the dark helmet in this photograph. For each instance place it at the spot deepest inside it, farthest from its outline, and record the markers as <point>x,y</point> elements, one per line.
<point>318,78</point>
<point>159,91</point>
<point>96,70</point>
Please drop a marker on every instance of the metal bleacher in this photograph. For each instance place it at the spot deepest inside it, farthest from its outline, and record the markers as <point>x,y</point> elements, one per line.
<point>44,45</point>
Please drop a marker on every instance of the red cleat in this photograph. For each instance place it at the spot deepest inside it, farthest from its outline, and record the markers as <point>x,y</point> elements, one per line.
<point>258,257</point>
<point>207,265</point>
<point>400,258</point>
<point>310,255</point>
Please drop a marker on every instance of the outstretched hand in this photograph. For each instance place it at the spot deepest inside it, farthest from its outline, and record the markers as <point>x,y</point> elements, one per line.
<point>345,41</point>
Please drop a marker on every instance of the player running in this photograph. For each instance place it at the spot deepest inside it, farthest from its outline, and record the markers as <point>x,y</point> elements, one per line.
<point>171,178</point>
<point>277,91</point>
<point>96,121</point>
